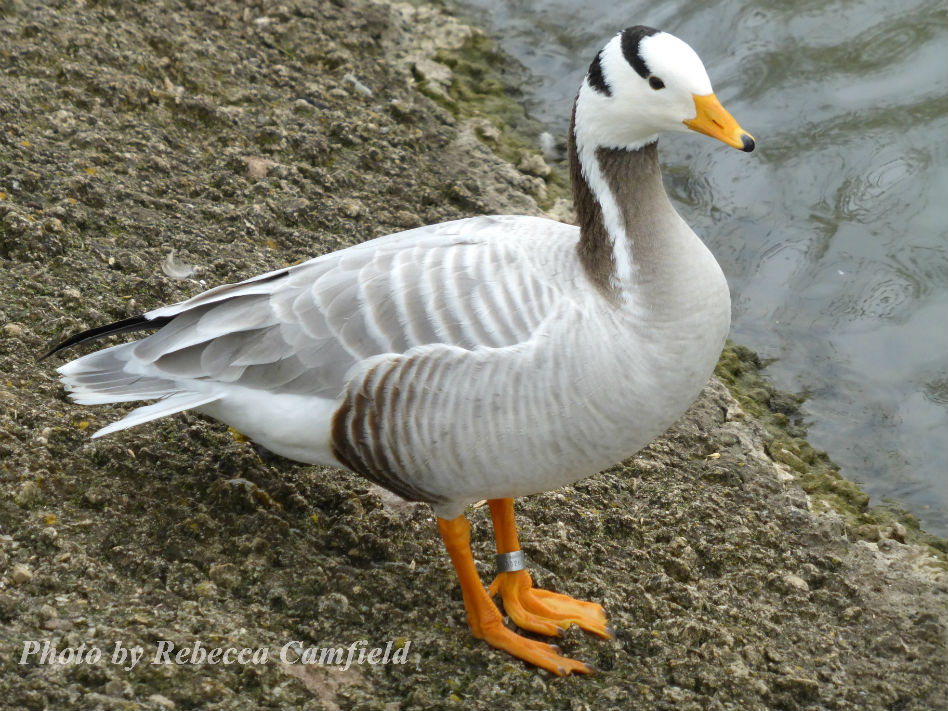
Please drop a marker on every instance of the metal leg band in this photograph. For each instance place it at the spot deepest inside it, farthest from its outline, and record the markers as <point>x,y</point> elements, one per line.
<point>510,562</point>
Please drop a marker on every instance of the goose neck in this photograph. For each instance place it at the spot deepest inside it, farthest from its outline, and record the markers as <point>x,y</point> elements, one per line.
<point>621,206</point>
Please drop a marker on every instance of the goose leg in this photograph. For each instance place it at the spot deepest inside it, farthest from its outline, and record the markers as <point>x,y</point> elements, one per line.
<point>482,614</point>
<point>532,609</point>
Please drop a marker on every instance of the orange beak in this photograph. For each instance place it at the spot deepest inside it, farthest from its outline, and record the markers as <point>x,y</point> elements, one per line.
<point>713,120</point>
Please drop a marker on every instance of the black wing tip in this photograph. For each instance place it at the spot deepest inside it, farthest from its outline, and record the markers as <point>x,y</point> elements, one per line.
<point>73,340</point>
<point>51,351</point>
<point>134,323</point>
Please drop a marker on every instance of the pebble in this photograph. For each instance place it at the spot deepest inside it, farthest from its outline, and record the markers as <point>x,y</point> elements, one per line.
<point>400,110</point>
<point>869,532</point>
<point>225,575</point>
<point>118,688</point>
<point>887,545</point>
<point>8,606</point>
<point>674,694</point>
<point>352,208</point>
<point>22,574</point>
<point>800,686</point>
<point>333,603</point>
<point>486,130</point>
<point>29,494</point>
<point>679,569</point>
<point>896,532</point>
<point>53,225</point>
<point>759,686</point>
<point>796,582</point>
<point>62,119</point>
<point>14,330</point>
<point>258,167</point>
<point>206,589</point>
<point>562,211</point>
<point>434,73</point>
<point>159,701</point>
<point>59,624</point>
<point>533,164</point>
<point>404,218</point>
<point>811,573</point>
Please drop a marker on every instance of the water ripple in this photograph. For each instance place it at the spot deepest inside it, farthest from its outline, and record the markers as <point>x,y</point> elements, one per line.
<point>886,296</point>
<point>866,198</point>
<point>936,391</point>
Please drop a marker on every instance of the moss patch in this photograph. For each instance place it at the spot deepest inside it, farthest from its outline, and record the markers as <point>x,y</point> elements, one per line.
<point>742,371</point>
<point>483,81</point>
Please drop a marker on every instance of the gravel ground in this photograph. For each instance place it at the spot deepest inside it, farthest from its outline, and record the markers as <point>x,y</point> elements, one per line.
<point>149,150</point>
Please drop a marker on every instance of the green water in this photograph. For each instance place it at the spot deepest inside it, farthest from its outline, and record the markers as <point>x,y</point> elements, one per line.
<point>833,233</point>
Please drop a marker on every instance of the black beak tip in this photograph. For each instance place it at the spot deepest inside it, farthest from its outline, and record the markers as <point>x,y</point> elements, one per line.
<point>748,142</point>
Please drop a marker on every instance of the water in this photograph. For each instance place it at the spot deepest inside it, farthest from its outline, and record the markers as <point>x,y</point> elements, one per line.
<point>833,233</point>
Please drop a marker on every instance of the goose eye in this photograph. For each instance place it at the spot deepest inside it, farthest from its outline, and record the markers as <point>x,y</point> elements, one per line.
<point>656,83</point>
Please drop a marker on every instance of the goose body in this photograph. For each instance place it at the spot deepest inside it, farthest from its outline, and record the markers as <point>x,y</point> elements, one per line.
<point>485,358</point>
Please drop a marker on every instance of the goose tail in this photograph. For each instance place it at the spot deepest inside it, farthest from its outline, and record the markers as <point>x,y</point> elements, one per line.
<point>104,377</point>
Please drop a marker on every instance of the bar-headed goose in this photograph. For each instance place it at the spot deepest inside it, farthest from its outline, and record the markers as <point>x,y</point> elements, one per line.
<point>486,358</point>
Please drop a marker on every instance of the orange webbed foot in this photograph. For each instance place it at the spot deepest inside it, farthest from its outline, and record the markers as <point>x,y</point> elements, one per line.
<point>484,618</point>
<point>545,656</point>
<point>546,612</point>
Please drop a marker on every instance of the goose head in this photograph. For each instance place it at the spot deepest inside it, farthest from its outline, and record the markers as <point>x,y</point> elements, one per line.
<point>645,82</point>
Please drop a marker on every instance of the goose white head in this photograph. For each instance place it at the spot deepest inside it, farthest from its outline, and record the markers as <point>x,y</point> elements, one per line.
<point>645,82</point>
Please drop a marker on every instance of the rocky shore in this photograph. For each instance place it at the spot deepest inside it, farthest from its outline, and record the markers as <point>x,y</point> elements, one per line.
<point>150,150</point>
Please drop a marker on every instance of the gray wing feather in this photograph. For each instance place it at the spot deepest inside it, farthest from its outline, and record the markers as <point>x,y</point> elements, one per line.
<point>302,329</point>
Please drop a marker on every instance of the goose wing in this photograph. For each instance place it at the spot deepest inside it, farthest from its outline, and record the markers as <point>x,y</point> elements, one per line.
<point>470,283</point>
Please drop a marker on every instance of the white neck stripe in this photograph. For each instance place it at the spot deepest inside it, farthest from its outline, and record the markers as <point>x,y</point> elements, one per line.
<point>611,216</point>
